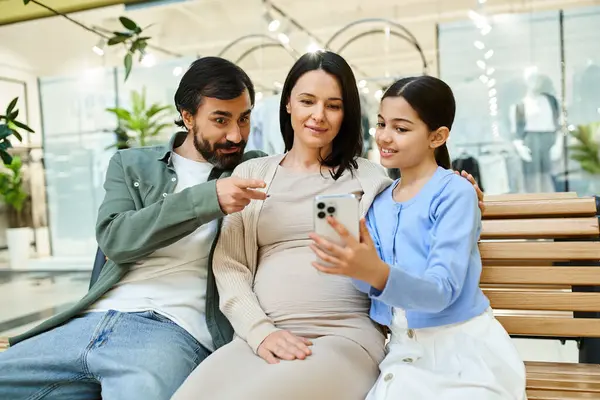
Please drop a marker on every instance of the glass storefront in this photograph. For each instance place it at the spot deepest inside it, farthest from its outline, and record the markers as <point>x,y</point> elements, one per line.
<point>508,78</point>
<point>506,72</point>
<point>78,132</point>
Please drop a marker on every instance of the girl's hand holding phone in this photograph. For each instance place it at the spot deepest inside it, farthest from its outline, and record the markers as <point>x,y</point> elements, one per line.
<point>357,260</point>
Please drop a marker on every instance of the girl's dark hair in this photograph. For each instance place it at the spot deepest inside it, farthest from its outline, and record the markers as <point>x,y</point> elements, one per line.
<point>347,145</point>
<point>433,101</point>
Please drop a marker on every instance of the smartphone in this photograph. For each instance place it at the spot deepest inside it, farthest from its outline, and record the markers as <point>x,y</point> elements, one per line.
<point>344,208</point>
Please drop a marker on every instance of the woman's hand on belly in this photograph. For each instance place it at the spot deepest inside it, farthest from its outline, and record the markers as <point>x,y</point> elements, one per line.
<point>284,345</point>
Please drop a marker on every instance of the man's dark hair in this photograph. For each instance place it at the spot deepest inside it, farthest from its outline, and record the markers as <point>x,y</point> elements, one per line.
<point>210,77</point>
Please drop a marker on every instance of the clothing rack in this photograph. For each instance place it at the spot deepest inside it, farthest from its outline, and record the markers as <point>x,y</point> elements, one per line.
<point>481,145</point>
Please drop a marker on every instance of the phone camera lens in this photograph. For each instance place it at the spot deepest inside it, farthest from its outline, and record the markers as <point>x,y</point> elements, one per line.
<point>321,215</point>
<point>321,206</point>
<point>331,210</point>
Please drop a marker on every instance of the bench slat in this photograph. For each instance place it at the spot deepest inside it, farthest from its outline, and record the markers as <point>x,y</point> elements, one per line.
<point>3,343</point>
<point>550,326</point>
<point>560,381</point>
<point>543,301</point>
<point>543,228</point>
<point>555,251</point>
<point>536,394</point>
<point>531,196</point>
<point>563,368</point>
<point>578,207</point>
<point>562,276</point>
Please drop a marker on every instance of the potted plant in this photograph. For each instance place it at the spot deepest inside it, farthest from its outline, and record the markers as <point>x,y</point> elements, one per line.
<point>142,125</point>
<point>586,150</point>
<point>18,207</point>
<point>9,126</point>
<point>17,200</point>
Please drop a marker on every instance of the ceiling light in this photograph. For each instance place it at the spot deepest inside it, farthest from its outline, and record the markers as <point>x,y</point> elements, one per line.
<point>479,20</point>
<point>492,83</point>
<point>489,54</point>
<point>313,48</point>
<point>378,94</point>
<point>362,83</point>
<point>283,38</point>
<point>372,131</point>
<point>484,78</point>
<point>258,96</point>
<point>491,71</point>
<point>274,25</point>
<point>479,44</point>
<point>148,60</point>
<point>481,64</point>
<point>177,71</point>
<point>99,47</point>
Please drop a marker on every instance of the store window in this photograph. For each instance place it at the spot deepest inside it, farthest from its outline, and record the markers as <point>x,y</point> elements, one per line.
<point>582,74</point>
<point>76,133</point>
<point>506,75</point>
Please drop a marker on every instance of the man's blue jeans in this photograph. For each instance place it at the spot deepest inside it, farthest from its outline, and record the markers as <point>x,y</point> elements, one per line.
<point>110,355</point>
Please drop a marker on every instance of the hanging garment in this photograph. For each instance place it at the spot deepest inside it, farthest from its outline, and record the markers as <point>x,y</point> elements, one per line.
<point>538,172</point>
<point>494,172</point>
<point>470,165</point>
<point>265,132</point>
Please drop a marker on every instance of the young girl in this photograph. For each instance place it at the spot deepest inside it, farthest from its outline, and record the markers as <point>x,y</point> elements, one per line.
<point>419,262</point>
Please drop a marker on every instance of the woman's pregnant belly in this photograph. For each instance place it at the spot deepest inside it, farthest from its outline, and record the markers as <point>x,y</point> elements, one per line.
<point>288,286</point>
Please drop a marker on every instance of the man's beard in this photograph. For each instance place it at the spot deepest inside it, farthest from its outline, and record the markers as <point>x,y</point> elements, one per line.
<point>210,152</point>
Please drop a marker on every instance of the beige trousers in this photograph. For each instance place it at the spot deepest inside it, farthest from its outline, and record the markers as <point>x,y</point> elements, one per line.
<point>338,369</point>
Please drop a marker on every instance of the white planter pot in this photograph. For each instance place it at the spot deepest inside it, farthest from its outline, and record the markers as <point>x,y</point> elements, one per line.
<point>19,246</point>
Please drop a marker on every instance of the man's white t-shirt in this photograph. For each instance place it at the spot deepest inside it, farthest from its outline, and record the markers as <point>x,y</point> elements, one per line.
<point>172,280</point>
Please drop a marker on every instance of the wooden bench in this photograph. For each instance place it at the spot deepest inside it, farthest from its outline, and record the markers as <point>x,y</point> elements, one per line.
<point>530,294</point>
<point>533,297</point>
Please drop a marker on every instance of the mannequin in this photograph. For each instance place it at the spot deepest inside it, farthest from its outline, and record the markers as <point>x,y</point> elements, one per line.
<point>586,96</point>
<point>536,129</point>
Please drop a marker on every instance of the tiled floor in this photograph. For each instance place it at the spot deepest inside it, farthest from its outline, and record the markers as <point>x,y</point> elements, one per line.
<point>27,298</point>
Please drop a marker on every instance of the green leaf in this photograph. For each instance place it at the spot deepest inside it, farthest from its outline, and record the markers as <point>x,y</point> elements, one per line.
<point>129,24</point>
<point>136,45</point>
<point>6,158</point>
<point>5,144</point>
<point>156,109</point>
<point>121,113</point>
<point>158,129</point>
<point>124,34</point>
<point>18,136</point>
<point>5,131</point>
<point>116,40</point>
<point>128,62</point>
<point>23,126</point>
<point>12,105</point>
<point>13,115</point>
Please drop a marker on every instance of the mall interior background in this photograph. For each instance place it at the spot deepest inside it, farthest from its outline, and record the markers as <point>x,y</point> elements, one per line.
<point>525,74</point>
